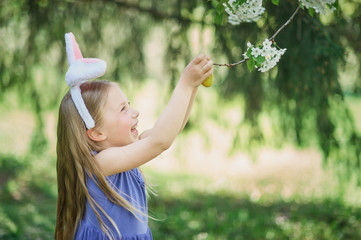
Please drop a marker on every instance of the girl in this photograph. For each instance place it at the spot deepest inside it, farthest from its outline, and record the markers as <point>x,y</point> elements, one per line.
<point>101,192</point>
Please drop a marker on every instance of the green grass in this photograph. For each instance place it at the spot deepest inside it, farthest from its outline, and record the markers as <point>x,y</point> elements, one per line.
<point>27,205</point>
<point>185,208</point>
<point>195,214</point>
<point>221,216</point>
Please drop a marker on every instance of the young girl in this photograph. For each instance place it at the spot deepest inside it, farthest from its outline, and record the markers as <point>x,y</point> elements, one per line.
<point>101,192</point>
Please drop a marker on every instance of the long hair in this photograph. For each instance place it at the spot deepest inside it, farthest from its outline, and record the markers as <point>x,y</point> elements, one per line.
<point>75,161</point>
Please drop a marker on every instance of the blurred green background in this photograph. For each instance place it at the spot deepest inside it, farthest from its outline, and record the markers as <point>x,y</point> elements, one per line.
<point>271,155</point>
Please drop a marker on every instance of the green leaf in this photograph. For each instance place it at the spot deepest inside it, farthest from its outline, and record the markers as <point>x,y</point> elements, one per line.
<point>275,2</point>
<point>250,64</point>
<point>311,11</point>
<point>248,54</point>
<point>218,18</point>
<point>214,3</point>
<point>220,8</point>
<point>259,60</point>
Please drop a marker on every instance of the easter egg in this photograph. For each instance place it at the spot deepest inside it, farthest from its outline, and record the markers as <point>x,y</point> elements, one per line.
<point>208,81</point>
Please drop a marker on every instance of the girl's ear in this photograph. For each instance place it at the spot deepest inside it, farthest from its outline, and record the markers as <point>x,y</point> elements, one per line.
<point>96,135</point>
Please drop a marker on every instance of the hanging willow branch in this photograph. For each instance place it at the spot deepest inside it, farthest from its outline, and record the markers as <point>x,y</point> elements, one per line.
<point>271,39</point>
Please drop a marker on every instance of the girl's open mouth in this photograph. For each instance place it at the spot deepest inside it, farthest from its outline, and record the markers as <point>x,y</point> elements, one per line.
<point>134,129</point>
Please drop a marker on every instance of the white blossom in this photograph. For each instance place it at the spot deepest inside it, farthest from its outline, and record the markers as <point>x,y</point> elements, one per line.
<point>267,43</point>
<point>250,11</point>
<point>271,54</point>
<point>256,52</point>
<point>271,59</point>
<point>320,6</point>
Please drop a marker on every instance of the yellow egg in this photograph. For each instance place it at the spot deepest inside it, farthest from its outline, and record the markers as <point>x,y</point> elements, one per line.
<point>208,82</point>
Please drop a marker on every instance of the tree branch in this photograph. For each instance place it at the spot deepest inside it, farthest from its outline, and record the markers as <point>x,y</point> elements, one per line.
<point>271,39</point>
<point>230,64</point>
<point>286,23</point>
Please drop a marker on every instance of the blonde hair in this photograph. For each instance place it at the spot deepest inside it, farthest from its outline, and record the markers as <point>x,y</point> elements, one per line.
<point>75,161</point>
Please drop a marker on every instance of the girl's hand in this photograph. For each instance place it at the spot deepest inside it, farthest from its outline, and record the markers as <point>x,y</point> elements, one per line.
<point>197,71</point>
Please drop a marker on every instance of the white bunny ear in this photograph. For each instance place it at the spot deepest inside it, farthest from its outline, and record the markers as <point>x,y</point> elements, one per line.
<point>80,70</point>
<point>72,48</point>
<point>84,69</point>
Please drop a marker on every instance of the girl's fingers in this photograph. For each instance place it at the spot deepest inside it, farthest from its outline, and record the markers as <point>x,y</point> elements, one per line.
<point>209,72</point>
<point>205,62</point>
<point>201,58</point>
<point>207,66</point>
<point>202,63</point>
<point>198,59</point>
<point>206,75</point>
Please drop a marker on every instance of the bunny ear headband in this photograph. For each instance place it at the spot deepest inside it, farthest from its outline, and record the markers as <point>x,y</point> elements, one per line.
<point>80,70</point>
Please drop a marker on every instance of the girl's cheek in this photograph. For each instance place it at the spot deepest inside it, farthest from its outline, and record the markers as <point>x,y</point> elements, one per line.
<point>125,119</point>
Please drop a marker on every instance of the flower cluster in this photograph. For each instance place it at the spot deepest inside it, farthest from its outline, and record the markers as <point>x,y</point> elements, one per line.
<point>264,57</point>
<point>320,6</point>
<point>248,11</point>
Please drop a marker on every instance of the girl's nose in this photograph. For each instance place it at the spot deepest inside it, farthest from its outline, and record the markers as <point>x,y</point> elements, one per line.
<point>135,113</point>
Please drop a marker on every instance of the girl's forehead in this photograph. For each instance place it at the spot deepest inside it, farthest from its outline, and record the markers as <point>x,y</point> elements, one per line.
<point>116,94</point>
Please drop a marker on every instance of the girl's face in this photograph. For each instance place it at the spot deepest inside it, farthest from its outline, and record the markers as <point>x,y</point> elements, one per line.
<point>119,119</point>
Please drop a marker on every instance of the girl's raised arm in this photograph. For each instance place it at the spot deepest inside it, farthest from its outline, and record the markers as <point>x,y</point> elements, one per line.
<point>170,123</point>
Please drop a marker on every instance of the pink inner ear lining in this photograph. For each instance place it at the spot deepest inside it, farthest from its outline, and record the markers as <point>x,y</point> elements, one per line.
<point>76,49</point>
<point>90,60</point>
